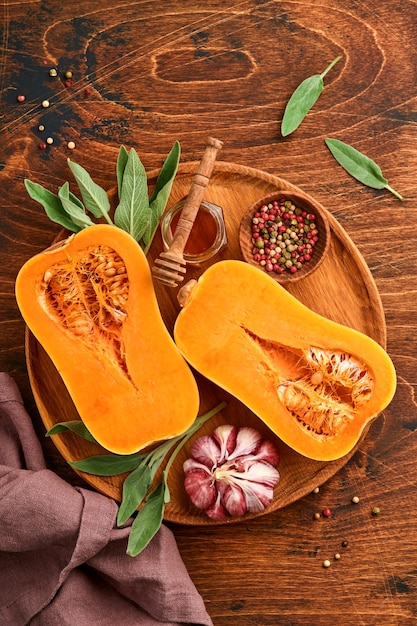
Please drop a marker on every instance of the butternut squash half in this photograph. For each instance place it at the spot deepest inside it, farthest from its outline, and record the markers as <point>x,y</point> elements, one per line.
<point>91,304</point>
<point>314,382</point>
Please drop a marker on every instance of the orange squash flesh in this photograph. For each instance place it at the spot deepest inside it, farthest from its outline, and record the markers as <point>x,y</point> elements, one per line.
<point>314,382</point>
<point>90,302</point>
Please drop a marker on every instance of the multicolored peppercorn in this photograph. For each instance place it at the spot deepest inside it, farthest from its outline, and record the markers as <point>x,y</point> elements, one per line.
<point>283,236</point>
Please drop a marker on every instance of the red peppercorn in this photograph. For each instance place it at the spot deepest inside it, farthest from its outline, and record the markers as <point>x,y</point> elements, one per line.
<point>42,145</point>
<point>327,512</point>
<point>21,98</point>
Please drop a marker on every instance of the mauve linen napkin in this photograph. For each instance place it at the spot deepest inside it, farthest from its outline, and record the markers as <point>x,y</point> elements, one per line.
<point>62,558</point>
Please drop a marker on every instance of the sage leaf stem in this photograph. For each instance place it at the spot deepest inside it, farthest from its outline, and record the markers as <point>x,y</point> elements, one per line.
<point>193,429</point>
<point>303,99</point>
<point>360,166</point>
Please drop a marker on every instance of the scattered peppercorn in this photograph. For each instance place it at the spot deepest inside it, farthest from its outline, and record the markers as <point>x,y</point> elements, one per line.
<point>355,499</point>
<point>68,83</point>
<point>337,556</point>
<point>21,98</point>
<point>50,141</point>
<point>316,489</point>
<point>53,72</point>
<point>41,127</point>
<point>327,512</point>
<point>317,516</point>
<point>68,74</point>
<point>344,544</point>
<point>326,563</point>
<point>45,104</point>
<point>283,236</point>
<point>87,92</point>
<point>376,510</point>
<point>71,145</point>
<point>42,145</point>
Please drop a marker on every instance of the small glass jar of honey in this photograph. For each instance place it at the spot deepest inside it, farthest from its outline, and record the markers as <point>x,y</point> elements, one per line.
<point>207,236</point>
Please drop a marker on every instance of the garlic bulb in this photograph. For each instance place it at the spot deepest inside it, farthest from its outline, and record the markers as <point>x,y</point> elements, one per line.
<point>231,472</point>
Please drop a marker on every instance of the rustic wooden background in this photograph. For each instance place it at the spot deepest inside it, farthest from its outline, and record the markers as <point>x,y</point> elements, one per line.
<point>147,73</point>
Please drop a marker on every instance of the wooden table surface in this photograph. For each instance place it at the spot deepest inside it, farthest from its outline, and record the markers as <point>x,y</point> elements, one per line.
<point>148,73</point>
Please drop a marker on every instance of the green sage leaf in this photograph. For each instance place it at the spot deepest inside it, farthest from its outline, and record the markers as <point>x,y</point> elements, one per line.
<point>52,205</point>
<point>74,207</point>
<point>147,522</point>
<point>95,197</point>
<point>303,99</point>
<point>132,213</point>
<point>160,194</point>
<point>76,426</point>
<point>358,165</point>
<point>120,168</point>
<point>135,488</point>
<point>167,173</point>
<point>108,464</point>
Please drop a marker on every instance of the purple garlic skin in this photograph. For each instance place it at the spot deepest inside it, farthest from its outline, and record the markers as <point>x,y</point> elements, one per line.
<point>231,472</point>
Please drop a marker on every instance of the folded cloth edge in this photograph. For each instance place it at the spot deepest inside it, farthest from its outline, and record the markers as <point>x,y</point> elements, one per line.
<point>97,525</point>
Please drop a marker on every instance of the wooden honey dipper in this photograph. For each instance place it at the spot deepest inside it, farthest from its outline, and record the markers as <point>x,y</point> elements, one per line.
<point>169,267</point>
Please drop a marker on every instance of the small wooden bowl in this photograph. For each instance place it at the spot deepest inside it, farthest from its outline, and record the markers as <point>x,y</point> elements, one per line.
<point>320,249</point>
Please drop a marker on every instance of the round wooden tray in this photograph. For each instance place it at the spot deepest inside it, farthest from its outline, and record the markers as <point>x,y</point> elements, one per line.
<point>342,289</point>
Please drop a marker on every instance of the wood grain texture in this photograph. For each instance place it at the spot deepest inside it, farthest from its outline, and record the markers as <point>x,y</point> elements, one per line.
<point>161,71</point>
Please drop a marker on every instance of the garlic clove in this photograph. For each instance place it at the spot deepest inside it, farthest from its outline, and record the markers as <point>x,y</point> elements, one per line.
<point>267,453</point>
<point>207,451</point>
<point>217,511</point>
<point>233,498</point>
<point>200,488</point>
<point>247,442</point>
<point>193,465</point>
<point>258,472</point>
<point>256,481</point>
<point>257,496</point>
<point>225,435</point>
